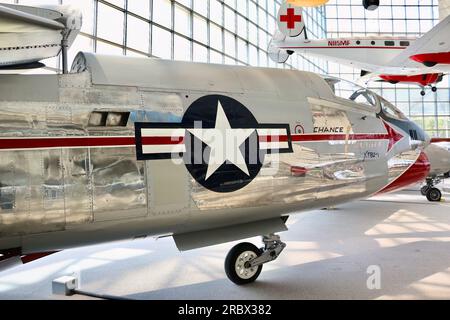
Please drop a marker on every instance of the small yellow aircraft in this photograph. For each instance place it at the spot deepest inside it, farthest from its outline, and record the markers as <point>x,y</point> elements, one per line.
<point>368,4</point>
<point>307,3</point>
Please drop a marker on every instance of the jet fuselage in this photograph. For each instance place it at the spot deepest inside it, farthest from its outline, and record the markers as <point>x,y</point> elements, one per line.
<point>129,147</point>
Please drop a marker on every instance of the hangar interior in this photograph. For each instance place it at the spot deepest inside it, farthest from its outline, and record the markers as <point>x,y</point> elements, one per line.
<point>332,252</point>
<point>237,32</point>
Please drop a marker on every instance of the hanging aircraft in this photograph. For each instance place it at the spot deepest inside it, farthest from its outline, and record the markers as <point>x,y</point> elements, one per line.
<point>31,34</point>
<point>422,61</point>
<point>124,148</point>
<point>368,4</point>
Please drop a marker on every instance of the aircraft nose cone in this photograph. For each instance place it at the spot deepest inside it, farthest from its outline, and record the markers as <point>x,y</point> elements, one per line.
<point>439,158</point>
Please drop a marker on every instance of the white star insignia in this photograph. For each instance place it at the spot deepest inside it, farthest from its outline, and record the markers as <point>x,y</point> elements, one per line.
<point>225,143</point>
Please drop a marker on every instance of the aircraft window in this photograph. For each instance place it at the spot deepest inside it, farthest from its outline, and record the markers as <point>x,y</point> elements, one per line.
<point>389,43</point>
<point>404,43</point>
<point>373,43</point>
<point>413,134</point>
<point>391,110</point>
<point>108,119</point>
<point>117,119</point>
<point>98,119</point>
<point>363,96</point>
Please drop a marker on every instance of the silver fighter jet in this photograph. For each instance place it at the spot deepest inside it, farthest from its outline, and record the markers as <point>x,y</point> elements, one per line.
<point>124,148</point>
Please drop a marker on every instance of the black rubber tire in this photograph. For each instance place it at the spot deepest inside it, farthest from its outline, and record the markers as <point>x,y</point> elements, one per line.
<point>423,93</point>
<point>371,4</point>
<point>230,263</point>
<point>434,89</point>
<point>434,195</point>
<point>424,190</point>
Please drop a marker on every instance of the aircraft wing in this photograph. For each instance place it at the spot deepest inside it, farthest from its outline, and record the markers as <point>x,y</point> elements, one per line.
<point>16,21</point>
<point>31,34</point>
<point>428,50</point>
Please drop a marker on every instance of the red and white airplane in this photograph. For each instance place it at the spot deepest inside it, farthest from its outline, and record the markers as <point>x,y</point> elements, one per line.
<point>368,4</point>
<point>422,61</point>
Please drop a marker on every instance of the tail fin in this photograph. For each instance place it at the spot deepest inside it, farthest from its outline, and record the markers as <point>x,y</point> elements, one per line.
<point>291,22</point>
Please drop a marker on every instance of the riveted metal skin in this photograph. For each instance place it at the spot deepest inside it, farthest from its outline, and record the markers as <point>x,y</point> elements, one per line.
<point>68,177</point>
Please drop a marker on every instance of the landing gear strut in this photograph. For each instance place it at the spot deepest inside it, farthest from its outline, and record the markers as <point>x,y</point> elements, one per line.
<point>244,262</point>
<point>423,93</point>
<point>432,193</point>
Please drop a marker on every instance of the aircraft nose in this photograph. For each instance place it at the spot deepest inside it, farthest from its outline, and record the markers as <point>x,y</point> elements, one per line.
<point>439,158</point>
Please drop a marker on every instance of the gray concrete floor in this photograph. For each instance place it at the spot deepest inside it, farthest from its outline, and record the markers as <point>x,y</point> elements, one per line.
<point>327,257</point>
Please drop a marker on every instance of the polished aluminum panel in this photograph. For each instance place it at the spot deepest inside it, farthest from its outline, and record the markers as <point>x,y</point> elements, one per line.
<point>400,163</point>
<point>31,193</point>
<point>284,179</point>
<point>78,189</point>
<point>104,193</point>
<point>118,184</point>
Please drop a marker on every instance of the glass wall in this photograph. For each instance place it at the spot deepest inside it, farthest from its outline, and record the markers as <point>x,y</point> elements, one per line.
<point>214,31</point>
<point>394,18</point>
<point>238,32</point>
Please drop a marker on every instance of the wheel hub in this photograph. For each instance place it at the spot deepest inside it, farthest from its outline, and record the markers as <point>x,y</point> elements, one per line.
<point>434,195</point>
<point>242,266</point>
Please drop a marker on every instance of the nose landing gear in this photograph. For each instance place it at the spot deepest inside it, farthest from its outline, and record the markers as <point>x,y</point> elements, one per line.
<point>244,262</point>
<point>432,193</point>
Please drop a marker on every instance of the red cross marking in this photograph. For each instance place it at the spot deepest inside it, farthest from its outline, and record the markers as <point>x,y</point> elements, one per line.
<point>291,18</point>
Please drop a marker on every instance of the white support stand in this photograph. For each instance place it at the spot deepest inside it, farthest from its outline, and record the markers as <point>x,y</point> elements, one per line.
<point>65,286</point>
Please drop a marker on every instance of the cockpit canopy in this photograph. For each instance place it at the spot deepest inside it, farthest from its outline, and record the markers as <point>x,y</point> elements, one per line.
<point>351,91</point>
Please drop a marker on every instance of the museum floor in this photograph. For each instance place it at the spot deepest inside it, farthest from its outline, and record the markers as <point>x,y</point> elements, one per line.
<point>328,255</point>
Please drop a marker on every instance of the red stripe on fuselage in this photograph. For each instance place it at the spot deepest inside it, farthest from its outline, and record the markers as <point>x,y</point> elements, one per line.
<point>273,139</point>
<point>66,142</point>
<point>98,142</point>
<point>338,137</point>
<point>153,141</point>
<point>349,47</point>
